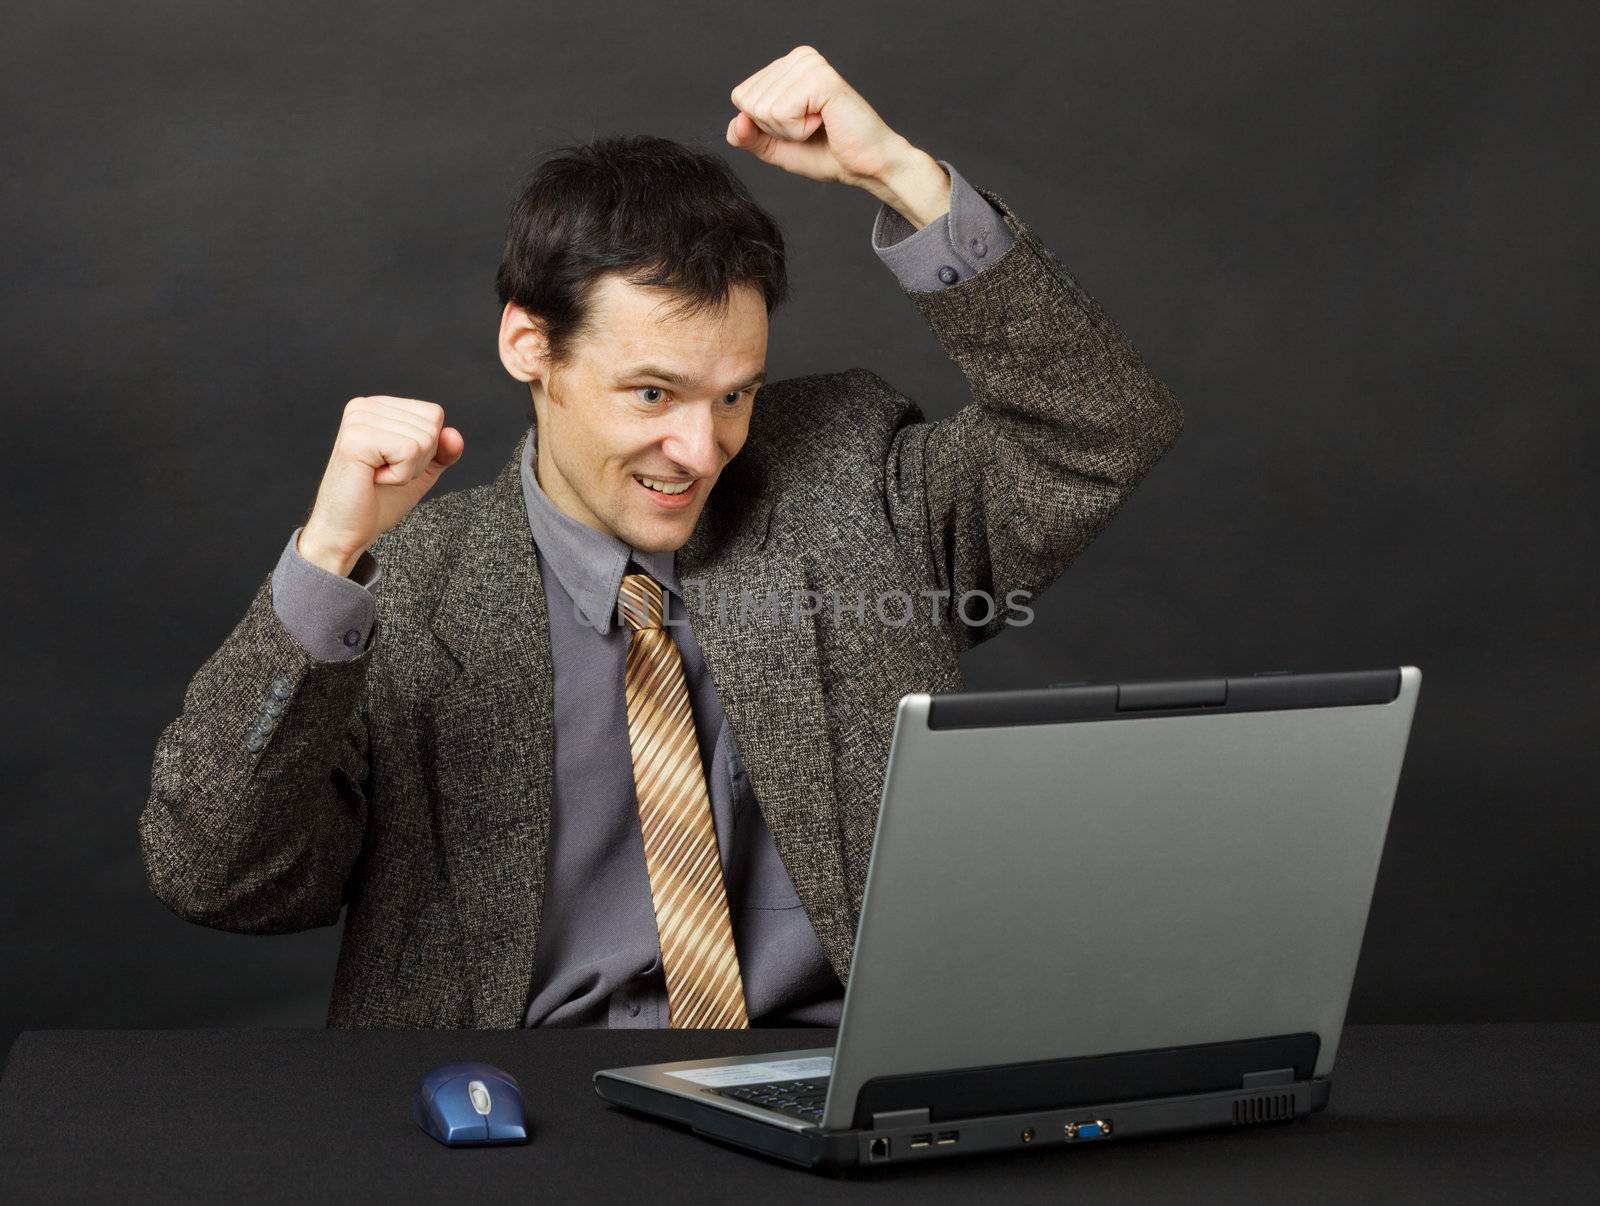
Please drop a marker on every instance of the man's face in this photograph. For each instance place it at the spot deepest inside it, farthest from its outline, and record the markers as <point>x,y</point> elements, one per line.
<point>646,398</point>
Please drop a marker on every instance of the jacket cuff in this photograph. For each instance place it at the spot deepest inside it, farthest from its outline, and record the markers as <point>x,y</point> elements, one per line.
<point>970,237</point>
<point>331,617</point>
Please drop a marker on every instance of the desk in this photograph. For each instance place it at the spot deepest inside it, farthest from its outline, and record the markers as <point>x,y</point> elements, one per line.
<point>1419,1114</point>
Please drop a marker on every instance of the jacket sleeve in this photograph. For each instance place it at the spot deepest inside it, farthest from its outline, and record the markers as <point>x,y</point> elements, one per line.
<point>259,789</point>
<point>1064,422</point>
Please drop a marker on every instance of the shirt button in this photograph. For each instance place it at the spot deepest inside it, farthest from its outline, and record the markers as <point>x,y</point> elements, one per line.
<point>979,248</point>
<point>353,637</point>
<point>948,275</point>
<point>633,1011</point>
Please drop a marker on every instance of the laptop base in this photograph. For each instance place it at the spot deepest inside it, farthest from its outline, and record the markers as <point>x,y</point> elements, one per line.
<point>918,1140</point>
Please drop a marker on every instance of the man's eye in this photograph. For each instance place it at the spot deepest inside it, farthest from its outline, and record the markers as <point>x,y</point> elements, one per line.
<point>649,389</point>
<point>732,396</point>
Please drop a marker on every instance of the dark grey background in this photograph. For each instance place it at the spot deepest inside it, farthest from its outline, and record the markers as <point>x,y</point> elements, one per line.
<point>1356,239</point>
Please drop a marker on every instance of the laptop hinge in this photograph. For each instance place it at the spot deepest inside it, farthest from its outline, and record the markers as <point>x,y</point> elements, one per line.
<point>1260,1080</point>
<point>888,1118</point>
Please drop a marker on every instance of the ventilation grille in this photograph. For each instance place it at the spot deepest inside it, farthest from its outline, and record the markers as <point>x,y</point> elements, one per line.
<point>1274,1107</point>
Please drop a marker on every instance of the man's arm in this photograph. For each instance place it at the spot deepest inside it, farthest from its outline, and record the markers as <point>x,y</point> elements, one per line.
<point>258,804</point>
<point>259,789</point>
<point>1066,418</point>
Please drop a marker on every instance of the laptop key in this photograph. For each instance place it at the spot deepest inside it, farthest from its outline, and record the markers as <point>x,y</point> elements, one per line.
<point>797,1098</point>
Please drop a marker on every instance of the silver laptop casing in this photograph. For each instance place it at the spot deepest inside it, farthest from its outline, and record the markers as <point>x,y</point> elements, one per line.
<point>1121,883</point>
<point>1116,885</point>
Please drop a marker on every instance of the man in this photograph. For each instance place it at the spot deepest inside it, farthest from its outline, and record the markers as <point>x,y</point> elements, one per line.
<point>606,746</point>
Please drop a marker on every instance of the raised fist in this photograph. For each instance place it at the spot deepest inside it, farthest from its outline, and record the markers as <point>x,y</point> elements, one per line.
<point>389,452</point>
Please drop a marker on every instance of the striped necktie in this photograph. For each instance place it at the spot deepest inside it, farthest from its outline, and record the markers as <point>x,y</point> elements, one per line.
<point>680,840</point>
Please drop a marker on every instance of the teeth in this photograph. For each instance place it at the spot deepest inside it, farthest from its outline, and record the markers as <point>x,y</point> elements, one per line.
<point>663,487</point>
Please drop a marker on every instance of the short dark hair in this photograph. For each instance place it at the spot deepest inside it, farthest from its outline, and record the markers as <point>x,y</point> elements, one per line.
<point>661,213</point>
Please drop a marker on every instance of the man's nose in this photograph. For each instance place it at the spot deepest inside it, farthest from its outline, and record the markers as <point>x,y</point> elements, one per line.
<point>692,443</point>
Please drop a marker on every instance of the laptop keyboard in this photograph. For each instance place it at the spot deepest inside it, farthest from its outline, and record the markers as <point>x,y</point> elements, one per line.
<point>797,1098</point>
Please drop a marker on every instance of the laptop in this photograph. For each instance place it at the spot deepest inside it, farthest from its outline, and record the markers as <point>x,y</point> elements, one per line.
<point>1092,911</point>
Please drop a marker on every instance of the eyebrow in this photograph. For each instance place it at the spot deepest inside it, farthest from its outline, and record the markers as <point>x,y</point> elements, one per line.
<point>678,379</point>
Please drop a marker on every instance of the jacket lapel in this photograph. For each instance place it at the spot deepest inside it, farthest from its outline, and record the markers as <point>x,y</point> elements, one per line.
<point>492,726</point>
<point>769,683</point>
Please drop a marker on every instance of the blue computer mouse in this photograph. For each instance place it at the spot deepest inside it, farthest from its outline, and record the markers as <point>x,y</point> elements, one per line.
<point>469,1104</point>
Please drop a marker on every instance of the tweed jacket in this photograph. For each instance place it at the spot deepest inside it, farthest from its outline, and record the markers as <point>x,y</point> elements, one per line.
<point>409,788</point>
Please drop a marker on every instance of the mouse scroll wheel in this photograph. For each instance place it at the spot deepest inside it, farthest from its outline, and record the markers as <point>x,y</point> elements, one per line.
<point>479,1092</point>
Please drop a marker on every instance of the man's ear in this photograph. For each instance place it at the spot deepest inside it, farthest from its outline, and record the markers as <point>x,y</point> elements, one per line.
<point>523,348</point>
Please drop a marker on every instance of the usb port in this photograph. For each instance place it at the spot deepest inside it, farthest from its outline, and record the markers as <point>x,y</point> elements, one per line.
<point>949,1136</point>
<point>920,1140</point>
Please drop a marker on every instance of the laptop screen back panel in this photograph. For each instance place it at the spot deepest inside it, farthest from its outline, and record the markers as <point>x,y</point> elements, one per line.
<point>1131,882</point>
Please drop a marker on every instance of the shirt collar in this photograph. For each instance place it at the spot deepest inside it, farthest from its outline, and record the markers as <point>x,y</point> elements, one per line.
<point>587,562</point>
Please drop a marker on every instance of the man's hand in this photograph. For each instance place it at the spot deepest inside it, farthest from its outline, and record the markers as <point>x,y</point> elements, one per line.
<point>799,114</point>
<point>388,453</point>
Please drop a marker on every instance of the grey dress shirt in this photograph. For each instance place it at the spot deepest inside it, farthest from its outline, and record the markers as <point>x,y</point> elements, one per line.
<point>598,961</point>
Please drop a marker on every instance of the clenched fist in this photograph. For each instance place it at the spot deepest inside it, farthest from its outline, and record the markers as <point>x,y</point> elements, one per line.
<point>798,113</point>
<point>389,452</point>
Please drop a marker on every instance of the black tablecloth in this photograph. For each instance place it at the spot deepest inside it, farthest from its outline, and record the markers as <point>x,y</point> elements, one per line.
<point>1419,1114</point>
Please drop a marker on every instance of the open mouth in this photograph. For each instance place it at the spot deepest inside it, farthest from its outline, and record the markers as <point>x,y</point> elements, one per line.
<point>667,493</point>
<point>662,485</point>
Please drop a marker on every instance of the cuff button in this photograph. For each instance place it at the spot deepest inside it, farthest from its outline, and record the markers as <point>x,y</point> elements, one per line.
<point>254,742</point>
<point>282,688</point>
<point>352,638</point>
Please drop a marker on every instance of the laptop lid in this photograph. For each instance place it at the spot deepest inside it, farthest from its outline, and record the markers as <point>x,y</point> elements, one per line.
<point>1137,867</point>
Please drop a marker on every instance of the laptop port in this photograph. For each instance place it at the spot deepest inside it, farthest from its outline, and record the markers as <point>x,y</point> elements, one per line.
<point>880,1149</point>
<point>948,1137</point>
<point>921,1140</point>
<point>1096,1129</point>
